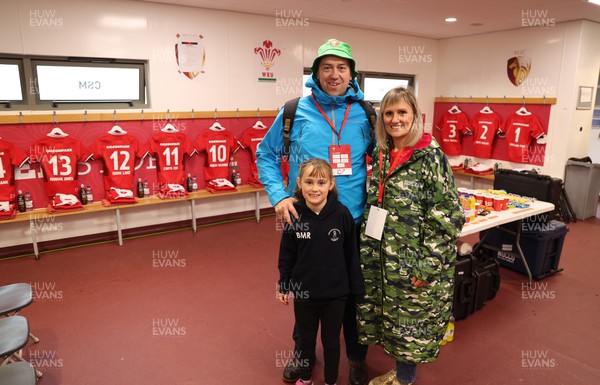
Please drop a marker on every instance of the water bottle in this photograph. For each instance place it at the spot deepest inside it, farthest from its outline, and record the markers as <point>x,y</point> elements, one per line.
<point>146,189</point>
<point>194,183</point>
<point>28,202</point>
<point>466,205</point>
<point>449,335</point>
<point>21,202</point>
<point>88,193</point>
<point>451,328</point>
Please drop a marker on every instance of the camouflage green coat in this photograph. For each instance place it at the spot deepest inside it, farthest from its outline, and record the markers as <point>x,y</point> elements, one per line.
<point>419,239</point>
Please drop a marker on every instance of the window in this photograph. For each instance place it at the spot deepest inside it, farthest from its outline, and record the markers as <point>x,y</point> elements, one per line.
<point>373,84</point>
<point>75,83</point>
<point>376,87</point>
<point>12,80</point>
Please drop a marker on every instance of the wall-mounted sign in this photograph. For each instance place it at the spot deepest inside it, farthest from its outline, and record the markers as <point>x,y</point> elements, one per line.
<point>584,99</point>
<point>190,55</point>
<point>518,68</point>
<point>267,54</point>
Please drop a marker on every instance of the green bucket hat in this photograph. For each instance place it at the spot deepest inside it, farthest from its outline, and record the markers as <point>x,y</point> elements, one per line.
<point>336,48</point>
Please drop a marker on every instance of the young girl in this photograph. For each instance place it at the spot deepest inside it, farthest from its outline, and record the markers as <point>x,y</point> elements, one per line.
<point>319,267</point>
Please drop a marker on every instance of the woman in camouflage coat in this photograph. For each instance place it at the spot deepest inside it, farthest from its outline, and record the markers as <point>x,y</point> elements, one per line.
<point>409,272</point>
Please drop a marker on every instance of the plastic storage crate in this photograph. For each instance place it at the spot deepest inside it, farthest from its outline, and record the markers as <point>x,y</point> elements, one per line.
<point>541,243</point>
<point>582,184</point>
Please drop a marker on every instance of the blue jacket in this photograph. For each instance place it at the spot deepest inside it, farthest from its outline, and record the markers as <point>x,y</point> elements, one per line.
<point>311,137</point>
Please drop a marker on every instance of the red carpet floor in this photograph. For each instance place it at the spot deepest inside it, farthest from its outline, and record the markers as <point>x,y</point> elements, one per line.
<point>200,309</point>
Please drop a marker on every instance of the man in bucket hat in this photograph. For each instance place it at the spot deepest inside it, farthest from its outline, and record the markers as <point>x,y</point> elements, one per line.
<point>328,123</point>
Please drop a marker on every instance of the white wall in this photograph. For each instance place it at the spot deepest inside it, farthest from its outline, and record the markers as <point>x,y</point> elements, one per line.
<point>563,57</point>
<point>588,75</point>
<point>136,30</point>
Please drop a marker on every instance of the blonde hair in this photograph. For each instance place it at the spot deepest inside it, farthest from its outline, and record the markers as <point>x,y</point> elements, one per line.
<point>320,169</point>
<point>394,96</point>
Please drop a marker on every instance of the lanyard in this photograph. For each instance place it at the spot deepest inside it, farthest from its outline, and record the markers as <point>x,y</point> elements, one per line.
<point>339,134</point>
<point>395,163</point>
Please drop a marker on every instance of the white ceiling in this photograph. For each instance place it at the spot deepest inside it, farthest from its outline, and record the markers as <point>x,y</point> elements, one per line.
<point>423,18</point>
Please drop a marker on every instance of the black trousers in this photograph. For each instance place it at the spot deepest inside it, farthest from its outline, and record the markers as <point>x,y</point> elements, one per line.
<point>354,350</point>
<point>330,313</point>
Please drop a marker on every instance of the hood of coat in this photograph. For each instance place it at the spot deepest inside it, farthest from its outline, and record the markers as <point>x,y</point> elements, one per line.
<point>303,209</point>
<point>424,142</point>
<point>423,146</point>
<point>353,93</point>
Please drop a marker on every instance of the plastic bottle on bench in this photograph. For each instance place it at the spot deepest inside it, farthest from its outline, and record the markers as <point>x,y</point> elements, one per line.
<point>140,188</point>
<point>28,202</point>
<point>83,195</point>
<point>89,194</point>
<point>21,202</point>
<point>189,183</point>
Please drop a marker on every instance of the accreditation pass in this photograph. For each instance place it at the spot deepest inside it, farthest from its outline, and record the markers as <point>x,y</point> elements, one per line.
<point>340,160</point>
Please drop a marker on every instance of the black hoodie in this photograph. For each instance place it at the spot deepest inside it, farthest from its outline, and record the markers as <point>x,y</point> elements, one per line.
<point>318,255</point>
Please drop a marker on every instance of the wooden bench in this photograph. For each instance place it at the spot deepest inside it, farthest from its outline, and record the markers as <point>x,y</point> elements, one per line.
<point>96,207</point>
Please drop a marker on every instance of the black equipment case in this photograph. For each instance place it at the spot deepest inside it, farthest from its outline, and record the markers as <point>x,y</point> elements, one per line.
<point>476,281</point>
<point>533,185</point>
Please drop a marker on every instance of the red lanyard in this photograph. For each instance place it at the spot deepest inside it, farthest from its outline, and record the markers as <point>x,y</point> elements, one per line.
<point>339,134</point>
<point>395,163</point>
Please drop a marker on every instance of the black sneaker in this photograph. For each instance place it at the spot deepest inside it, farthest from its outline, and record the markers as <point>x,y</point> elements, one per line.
<point>358,372</point>
<point>291,372</point>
